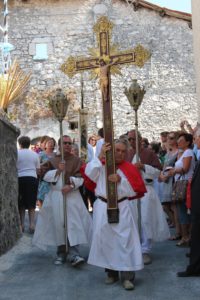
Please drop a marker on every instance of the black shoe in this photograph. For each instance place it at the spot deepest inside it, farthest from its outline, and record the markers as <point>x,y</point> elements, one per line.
<point>60,260</point>
<point>31,230</point>
<point>187,274</point>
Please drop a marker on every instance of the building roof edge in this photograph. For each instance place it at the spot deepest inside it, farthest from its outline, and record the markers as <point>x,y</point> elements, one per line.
<point>163,11</point>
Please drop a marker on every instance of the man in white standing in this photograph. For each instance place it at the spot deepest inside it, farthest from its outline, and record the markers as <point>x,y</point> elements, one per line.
<point>116,247</point>
<point>49,228</point>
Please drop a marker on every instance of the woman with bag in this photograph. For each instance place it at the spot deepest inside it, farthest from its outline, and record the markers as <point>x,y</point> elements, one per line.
<point>182,171</point>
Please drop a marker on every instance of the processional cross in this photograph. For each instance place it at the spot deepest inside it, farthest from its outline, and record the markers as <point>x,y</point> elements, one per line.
<point>105,60</point>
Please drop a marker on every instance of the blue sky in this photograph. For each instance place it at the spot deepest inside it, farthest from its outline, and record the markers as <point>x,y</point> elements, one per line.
<point>181,5</point>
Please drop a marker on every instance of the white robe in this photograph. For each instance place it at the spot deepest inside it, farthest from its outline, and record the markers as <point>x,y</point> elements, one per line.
<point>49,229</point>
<point>114,246</point>
<point>153,218</point>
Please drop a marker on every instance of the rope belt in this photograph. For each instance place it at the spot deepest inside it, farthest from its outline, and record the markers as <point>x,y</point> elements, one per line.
<point>120,200</point>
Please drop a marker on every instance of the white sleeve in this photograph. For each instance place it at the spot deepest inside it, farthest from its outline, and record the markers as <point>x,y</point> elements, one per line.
<point>93,168</point>
<point>99,146</point>
<point>90,152</point>
<point>38,162</point>
<point>77,181</point>
<point>151,172</point>
<point>124,188</point>
<point>50,176</point>
<point>188,153</point>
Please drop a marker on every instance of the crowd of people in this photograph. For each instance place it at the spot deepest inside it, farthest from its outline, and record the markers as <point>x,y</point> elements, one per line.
<point>68,191</point>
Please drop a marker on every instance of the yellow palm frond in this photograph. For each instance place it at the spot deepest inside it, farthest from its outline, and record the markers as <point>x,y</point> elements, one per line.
<point>12,85</point>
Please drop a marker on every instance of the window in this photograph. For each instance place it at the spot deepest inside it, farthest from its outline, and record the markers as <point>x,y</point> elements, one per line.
<point>73,125</point>
<point>41,48</point>
<point>40,52</point>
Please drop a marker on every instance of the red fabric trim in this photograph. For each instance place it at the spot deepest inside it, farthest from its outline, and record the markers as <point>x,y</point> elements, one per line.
<point>130,171</point>
<point>89,184</point>
<point>134,177</point>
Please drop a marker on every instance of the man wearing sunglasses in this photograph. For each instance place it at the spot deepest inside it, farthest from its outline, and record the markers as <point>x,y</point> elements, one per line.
<point>49,228</point>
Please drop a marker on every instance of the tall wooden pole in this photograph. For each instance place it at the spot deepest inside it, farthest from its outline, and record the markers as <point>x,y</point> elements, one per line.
<point>83,126</point>
<point>5,53</point>
<point>63,184</point>
<point>59,105</point>
<point>135,96</point>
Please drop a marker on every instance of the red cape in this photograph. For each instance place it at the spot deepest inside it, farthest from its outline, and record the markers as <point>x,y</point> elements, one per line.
<point>130,171</point>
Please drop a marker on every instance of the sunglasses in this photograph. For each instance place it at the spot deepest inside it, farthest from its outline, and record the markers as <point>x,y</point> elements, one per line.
<point>131,139</point>
<point>67,143</point>
<point>171,137</point>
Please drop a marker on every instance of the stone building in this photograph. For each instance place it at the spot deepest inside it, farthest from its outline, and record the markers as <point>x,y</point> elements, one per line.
<point>196,41</point>
<point>46,32</point>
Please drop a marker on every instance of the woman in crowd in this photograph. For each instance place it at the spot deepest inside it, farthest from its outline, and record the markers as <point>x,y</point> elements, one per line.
<point>167,182</point>
<point>27,166</point>
<point>43,142</point>
<point>92,141</point>
<point>184,167</point>
<point>48,149</point>
<point>45,155</point>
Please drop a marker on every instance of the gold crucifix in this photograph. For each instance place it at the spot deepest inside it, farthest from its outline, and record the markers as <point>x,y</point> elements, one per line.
<point>105,60</point>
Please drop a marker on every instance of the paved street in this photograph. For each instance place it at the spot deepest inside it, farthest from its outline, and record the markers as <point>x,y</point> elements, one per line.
<point>29,273</point>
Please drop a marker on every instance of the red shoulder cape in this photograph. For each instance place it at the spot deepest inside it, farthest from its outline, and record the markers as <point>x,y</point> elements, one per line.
<point>130,171</point>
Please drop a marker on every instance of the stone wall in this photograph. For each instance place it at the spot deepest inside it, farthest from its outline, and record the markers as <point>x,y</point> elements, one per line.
<point>9,216</point>
<point>66,27</point>
<point>196,41</point>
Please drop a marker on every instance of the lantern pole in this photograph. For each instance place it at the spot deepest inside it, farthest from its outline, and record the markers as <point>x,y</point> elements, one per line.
<point>135,95</point>
<point>59,105</point>
<point>5,47</point>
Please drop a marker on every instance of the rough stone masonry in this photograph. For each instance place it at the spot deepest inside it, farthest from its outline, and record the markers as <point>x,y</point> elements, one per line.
<point>63,28</point>
<point>9,216</point>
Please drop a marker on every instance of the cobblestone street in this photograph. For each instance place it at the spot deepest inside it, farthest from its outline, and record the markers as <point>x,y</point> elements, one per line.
<point>29,273</point>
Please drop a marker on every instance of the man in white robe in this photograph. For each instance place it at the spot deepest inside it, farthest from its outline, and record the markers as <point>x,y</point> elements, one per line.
<point>154,226</point>
<point>50,224</point>
<point>116,247</point>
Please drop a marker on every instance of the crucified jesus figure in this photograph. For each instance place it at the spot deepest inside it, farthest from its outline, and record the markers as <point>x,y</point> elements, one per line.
<point>104,80</point>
